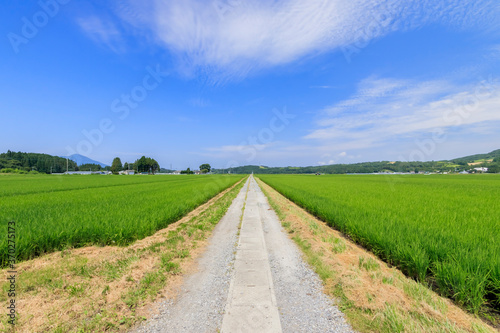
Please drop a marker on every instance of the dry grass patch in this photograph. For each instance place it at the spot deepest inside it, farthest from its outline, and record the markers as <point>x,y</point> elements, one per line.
<point>374,296</point>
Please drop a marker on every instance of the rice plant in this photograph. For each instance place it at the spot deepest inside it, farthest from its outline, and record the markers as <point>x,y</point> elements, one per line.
<point>55,212</point>
<point>443,230</point>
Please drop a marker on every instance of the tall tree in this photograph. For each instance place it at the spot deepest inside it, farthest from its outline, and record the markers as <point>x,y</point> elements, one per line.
<point>116,166</point>
<point>140,164</point>
<point>146,164</point>
<point>125,166</point>
<point>187,172</point>
<point>205,168</point>
<point>153,166</point>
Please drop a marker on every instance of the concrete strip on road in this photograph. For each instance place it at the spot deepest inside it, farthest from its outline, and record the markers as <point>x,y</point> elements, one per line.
<point>251,305</point>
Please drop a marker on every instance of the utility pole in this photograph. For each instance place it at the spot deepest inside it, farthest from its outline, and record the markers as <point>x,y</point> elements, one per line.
<point>67,165</point>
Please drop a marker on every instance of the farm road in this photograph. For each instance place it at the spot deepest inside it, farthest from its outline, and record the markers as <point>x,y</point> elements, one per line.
<point>256,281</point>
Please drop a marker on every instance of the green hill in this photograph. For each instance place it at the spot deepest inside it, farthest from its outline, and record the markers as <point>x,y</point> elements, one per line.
<point>24,162</point>
<point>455,165</point>
<point>478,157</point>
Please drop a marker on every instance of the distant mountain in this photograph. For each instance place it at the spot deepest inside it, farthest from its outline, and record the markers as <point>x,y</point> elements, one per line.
<point>80,160</point>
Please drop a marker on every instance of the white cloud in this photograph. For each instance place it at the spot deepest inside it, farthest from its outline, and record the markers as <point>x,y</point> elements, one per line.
<point>384,110</point>
<point>386,119</point>
<point>102,31</point>
<point>231,39</point>
<point>326,163</point>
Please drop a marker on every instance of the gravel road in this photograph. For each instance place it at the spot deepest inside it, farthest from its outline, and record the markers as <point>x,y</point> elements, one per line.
<point>298,289</point>
<point>201,304</point>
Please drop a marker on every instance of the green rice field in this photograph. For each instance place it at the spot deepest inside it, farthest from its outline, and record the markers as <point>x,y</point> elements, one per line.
<point>443,230</point>
<point>54,212</point>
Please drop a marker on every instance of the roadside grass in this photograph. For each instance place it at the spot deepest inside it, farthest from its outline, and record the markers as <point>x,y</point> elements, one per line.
<point>338,244</point>
<point>368,263</point>
<point>373,296</point>
<point>97,289</point>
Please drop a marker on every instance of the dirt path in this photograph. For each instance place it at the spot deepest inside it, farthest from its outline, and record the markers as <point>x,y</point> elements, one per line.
<point>250,281</point>
<point>199,306</point>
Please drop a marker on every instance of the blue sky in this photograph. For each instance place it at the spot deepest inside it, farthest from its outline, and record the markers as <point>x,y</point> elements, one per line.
<point>234,82</point>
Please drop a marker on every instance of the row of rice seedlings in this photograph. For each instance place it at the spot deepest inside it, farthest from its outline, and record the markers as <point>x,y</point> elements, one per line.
<point>116,215</point>
<point>28,184</point>
<point>440,230</point>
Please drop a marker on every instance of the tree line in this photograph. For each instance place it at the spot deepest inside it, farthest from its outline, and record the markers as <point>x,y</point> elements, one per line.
<point>20,162</point>
<point>143,164</point>
<point>25,162</point>
<point>366,167</point>
<point>204,168</point>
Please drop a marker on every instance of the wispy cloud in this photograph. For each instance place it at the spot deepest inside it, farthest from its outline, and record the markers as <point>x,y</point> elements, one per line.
<point>102,31</point>
<point>231,39</point>
<point>385,118</point>
<point>387,109</point>
<point>322,87</point>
